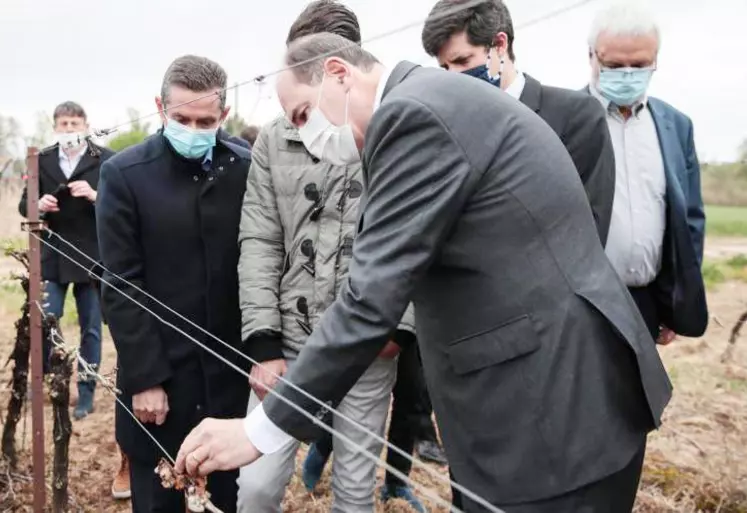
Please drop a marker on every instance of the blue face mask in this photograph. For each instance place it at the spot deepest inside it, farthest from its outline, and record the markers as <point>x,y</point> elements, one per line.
<point>624,86</point>
<point>188,142</point>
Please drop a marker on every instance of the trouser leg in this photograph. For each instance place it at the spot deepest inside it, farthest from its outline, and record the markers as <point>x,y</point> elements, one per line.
<point>367,403</point>
<point>262,484</point>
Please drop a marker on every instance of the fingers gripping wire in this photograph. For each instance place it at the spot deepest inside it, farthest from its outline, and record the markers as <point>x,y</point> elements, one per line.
<point>318,422</point>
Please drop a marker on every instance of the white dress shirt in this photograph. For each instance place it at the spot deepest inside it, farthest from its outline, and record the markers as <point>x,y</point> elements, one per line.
<point>636,235</point>
<point>263,433</point>
<point>517,86</point>
<point>68,163</point>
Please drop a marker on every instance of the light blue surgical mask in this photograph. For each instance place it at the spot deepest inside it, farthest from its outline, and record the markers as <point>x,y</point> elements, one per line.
<point>188,142</point>
<point>624,86</point>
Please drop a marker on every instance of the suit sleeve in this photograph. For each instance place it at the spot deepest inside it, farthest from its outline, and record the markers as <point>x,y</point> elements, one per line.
<point>261,261</point>
<point>695,210</point>
<point>588,141</point>
<point>414,199</point>
<point>136,333</point>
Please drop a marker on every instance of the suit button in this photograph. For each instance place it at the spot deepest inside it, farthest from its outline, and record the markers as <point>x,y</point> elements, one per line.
<point>220,168</point>
<point>195,178</point>
<point>231,159</point>
<point>199,407</point>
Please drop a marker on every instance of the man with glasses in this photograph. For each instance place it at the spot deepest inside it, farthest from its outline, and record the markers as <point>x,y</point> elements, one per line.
<point>656,234</point>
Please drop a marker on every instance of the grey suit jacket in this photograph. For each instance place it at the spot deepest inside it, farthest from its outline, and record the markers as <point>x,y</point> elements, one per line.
<point>582,126</point>
<point>542,372</point>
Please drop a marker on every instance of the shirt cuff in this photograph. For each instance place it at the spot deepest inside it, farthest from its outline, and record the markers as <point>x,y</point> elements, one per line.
<point>263,433</point>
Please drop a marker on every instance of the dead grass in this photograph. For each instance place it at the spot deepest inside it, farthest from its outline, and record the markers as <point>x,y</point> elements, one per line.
<point>696,462</point>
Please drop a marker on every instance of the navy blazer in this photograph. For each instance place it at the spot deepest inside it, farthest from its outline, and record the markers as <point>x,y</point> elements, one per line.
<point>679,286</point>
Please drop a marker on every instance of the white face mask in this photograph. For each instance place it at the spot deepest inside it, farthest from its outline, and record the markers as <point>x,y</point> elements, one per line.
<point>328,142</point>
<point>70,141</point>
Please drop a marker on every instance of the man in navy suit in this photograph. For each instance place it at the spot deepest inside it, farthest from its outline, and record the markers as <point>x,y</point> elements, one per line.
<point>657,229</point>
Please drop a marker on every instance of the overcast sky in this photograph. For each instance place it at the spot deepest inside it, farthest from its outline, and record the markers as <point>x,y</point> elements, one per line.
<point>111,55</point>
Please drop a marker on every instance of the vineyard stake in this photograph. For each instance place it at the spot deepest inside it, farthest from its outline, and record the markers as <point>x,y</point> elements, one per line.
<point>34,227</point>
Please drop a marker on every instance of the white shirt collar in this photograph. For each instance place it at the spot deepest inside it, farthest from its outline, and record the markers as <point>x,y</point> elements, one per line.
<point>385,75</point>
<point>517,86</point>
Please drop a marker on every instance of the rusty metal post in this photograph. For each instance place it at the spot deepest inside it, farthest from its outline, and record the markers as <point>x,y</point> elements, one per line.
<point>35,299</point>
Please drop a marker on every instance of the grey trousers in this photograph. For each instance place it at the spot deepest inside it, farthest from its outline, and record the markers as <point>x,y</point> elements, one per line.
<point>262,484</point>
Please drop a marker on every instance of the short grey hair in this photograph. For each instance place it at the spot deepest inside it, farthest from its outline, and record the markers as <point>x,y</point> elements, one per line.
<point>626,18</point>
<point>306,55</point>
<point>197,74</point>
<point>70,109</point>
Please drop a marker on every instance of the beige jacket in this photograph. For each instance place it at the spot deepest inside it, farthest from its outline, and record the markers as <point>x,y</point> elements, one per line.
<point>296,237</point>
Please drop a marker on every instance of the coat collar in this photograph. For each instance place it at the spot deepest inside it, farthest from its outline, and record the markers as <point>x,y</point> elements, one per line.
<point>531,96</point>
<point>398,74</point>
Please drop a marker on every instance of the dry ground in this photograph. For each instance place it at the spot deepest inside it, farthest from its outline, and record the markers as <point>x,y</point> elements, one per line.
<point>696,462</point>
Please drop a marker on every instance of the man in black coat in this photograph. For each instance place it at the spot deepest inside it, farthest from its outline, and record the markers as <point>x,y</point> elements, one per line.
<point>479,41</point>
<point>68,179</point>
<point>168,224</point>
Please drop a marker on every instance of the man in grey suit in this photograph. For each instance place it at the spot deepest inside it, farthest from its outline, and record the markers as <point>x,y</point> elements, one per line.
<point>543,375</point>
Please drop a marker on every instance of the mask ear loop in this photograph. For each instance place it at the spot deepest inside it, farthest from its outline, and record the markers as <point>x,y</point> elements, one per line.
<point>497,76</point>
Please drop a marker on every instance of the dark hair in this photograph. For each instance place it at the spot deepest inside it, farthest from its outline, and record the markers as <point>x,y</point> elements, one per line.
<point>71,109</point>
<point>250,133</point>
<point>306,55</point>
<point>197,74</point>
<point>326,16</point>
<point>482,22</point>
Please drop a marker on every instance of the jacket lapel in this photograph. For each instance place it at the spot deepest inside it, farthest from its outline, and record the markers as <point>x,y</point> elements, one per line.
<point>667,144</point>
<point>531,96</point>
<point>49,163</point>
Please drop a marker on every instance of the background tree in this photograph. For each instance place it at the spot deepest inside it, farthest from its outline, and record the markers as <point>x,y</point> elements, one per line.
<point>234,125</point>
<point>10,144</point>
<point>43,131</point>
<point>137,132</point>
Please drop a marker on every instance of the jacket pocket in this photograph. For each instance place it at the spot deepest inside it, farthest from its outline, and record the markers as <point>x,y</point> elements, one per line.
<point>505,342</point>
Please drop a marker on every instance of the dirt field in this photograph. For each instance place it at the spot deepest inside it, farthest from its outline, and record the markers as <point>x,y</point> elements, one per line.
<point>696,462</point>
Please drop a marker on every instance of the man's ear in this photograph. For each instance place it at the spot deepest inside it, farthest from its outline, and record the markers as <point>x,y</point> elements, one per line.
<point>336,68</point>
<point>500,41</point>
<point>161,109</point>
<point>224,116</point>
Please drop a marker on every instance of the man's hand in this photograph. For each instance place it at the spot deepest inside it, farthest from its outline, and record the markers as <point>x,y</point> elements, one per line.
<point>151,406</point>
<point>215,445</point>
<point>391,349</point>
<point>48,203</point>
<point>264,377</point>
<point>82,189</point>
<point>666,336</point>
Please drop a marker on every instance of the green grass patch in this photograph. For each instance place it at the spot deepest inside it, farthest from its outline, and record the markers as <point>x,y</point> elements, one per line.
<point>716,272</point>
<point>723,221</point>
